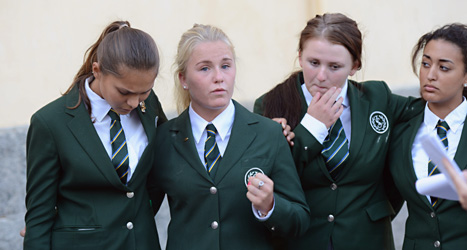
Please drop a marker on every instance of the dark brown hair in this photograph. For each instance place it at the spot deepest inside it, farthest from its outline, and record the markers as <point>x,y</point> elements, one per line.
<point>284,99</point>
<point>118,46</point>
<point>455,33</point>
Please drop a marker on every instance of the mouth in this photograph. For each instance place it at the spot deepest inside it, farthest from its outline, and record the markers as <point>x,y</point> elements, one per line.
<point>429,88</point>
<point>218,91</point>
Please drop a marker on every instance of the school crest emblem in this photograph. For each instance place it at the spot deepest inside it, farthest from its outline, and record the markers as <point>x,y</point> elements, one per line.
<point>379,122</point>
<point>252,172</point>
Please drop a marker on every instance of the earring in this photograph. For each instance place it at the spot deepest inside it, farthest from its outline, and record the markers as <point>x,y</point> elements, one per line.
<point>465,85</point>
<point>185,87</point>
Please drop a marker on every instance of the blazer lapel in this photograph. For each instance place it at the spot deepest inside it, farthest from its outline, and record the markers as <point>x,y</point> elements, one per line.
<point>85,133</point>
<point>240,139</point>
<point>359,108</point>
<point>461,157</point>
<point>184,143</point>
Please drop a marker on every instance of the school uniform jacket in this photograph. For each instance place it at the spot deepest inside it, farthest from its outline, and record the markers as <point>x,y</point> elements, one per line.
<point>74,197</point>
<point>353,210</point>
<point>214,213</point>
<point>441,227</point>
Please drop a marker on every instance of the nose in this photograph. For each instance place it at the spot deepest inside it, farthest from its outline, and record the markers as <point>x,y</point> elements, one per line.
<point>432,74</point>
<point>133,101</point>
<point>321,76</point>
<point>218,76</point>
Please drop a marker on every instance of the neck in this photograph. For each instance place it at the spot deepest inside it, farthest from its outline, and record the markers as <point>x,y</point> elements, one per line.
<point>443,109</point>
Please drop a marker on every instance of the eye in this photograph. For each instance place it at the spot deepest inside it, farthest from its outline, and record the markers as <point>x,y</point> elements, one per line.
<point>425,64</point>
<point>225,66</point>
<point>444,68</point>
<point>335,67</point>
<point>123,92</point>
<point>314,63</point>
<point>204,68</point>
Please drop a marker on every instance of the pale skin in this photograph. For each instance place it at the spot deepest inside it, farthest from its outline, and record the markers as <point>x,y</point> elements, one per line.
<point>209,78</point>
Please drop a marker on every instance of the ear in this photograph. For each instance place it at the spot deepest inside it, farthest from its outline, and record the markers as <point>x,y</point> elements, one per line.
<point>355,68</point>
<point>182,80</point>
<point>300,58</point>
<point>96,69</point>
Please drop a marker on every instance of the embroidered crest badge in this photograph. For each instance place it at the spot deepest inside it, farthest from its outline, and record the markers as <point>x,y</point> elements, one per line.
<point>252,172</point>
<point>379,122</point>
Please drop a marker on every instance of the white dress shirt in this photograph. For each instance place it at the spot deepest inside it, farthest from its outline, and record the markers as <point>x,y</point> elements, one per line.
<point>134,132</point>
<point>223,123</point>
<point>455,121</point>
<point>317,128</point>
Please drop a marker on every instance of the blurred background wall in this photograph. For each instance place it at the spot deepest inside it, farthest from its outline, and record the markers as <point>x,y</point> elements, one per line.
<point>42,44</point>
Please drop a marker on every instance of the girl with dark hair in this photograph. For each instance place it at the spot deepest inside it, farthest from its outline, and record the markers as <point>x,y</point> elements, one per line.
<point>89,152</point>
<point>342,128</point>
<point>434,223</point>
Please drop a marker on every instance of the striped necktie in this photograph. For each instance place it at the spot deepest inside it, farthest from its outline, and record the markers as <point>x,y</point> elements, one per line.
<point>212,156</point>
<point>119,148</point>
<point>336,148</point>
<point>442,129</point>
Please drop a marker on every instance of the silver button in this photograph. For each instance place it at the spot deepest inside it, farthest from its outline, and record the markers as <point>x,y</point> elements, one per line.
<point>432,214</point>
<point>129,225</point>
<point>214,225</point>
<point>306,148</point>
<point>273,228</point>
<point>213,190</point>
<point>437,243</point>
<point>333,186</point>
<point>330,218</point>
<point>130,194</point>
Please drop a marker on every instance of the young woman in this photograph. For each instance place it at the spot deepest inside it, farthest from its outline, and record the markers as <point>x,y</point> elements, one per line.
<point>78,195</point>
<point>250,189</point>
<point>341,131</point>
<point>434,223</point>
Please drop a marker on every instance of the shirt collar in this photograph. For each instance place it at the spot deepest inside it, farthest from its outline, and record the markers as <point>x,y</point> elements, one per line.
<point>455,119</point>
<point>100,107</point>
<point>343,94</point>
<point>223,122</point>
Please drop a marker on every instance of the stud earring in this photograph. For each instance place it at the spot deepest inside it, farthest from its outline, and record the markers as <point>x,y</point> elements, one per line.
<point>465,85</point>
<point>185,87</point>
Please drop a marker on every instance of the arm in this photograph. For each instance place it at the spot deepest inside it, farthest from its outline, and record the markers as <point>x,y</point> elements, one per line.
<point>290,216</point>
<point>42,184</point>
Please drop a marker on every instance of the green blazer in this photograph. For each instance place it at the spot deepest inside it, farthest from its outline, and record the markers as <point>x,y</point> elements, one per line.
<point>74,197</point>
<point>208,213</point>
<point>352,211</point>
<point>446,223</point>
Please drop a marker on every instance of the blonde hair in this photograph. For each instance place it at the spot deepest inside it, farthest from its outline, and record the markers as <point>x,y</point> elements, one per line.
<point>199,33</point>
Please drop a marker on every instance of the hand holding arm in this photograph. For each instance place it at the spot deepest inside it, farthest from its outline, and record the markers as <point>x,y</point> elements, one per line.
<point>286,130</point>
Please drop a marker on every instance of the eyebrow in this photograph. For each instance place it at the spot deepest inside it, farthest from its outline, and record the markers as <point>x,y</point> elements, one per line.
<point>131,92</point>
<point>210,62</point>
<point>441,60</point>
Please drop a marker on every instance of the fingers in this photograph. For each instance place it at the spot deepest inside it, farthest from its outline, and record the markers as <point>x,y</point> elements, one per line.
<point>286,130</point>
<point>326,108</point>
<point>459,182</point>
<point>260,192</point>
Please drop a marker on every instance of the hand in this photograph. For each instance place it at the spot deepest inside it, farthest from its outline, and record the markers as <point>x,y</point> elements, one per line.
<point>325,108</point>
<point>286,130</point>
<point>23,232</point>
<point>461,184</point>
<point>262,197</point>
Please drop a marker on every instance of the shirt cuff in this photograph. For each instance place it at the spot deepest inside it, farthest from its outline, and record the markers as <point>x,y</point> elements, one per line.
<point>315,127</point>
<point>262,217</point>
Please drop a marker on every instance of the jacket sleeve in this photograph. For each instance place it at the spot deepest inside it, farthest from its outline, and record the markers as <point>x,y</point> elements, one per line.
<point>291,216</point>
<point>42,184</point>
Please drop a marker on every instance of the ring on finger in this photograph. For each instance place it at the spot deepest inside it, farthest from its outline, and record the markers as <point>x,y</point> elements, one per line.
<point>260,184</point>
